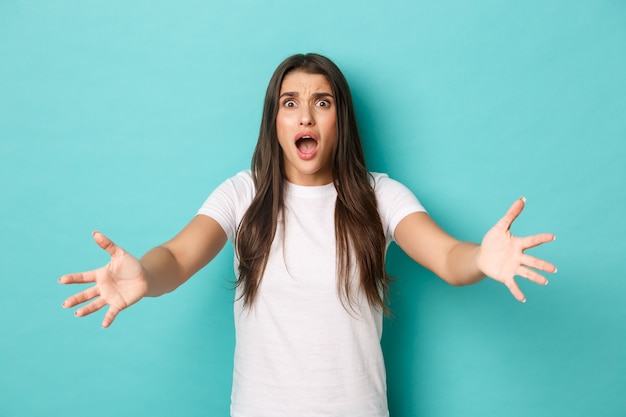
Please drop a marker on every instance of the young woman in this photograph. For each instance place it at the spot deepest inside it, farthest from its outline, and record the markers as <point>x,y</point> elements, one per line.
<point>310,226</point>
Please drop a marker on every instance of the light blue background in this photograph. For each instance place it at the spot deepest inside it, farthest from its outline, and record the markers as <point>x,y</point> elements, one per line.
<point>123,115</point>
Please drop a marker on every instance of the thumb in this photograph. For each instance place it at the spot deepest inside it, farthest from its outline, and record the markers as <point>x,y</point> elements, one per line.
<point>106,243</point>
<point>512,213</point>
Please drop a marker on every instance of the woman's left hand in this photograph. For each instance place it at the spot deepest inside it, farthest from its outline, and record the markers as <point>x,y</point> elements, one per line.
<point>501,256</point>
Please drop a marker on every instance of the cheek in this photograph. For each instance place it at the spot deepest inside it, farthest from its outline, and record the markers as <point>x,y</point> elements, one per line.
<point>280,127</point>
<point>284,121</point>
<point>331,126</point>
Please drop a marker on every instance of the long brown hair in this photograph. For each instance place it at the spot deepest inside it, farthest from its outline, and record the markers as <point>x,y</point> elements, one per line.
<point>361,243</point>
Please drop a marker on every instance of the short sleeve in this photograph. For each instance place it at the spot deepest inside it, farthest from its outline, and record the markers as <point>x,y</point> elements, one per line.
<point>228,203</point>
<point>395,202</point>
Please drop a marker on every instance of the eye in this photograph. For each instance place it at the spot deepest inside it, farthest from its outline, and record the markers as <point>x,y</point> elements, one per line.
<point>289,103</point>
<point>323,103</point>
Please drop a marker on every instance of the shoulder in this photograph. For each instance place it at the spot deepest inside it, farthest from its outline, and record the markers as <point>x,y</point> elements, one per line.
<point>229,201</point>
<point>395,201</point>
<point>237,190</point>
<point>389,190</point>
<point>382,183</point>
<point>242,179</point>
<point>375,177</point>
<point>239,185</point>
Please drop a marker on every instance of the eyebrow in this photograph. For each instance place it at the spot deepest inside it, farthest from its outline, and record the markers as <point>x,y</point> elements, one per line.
<point>314,95</point>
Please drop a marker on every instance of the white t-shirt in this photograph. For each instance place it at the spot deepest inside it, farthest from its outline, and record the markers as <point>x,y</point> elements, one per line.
<point>299,352</point>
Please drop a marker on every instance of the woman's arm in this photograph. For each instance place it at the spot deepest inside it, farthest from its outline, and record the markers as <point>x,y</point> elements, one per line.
<point>171,264</point>
<point>126,280</point>
<point>500,255</point>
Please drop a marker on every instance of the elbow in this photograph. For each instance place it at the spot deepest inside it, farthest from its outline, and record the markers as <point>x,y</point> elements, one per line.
<point>455,281</point>
<point>463,281</point>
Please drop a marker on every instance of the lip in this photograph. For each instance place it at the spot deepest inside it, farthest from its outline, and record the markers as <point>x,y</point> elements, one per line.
<point>310,153</point>
<point>304,133</point>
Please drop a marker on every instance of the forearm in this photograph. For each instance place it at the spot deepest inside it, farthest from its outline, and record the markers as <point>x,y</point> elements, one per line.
<point>426,243</point>
<point>462,264</point>
<point>162,271</point>
<point>169,265</point>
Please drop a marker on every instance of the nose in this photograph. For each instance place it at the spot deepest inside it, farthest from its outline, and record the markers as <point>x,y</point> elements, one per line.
<point>306,117</point>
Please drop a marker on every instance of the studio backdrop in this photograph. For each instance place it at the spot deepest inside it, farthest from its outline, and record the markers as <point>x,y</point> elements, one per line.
<point>122,116</point>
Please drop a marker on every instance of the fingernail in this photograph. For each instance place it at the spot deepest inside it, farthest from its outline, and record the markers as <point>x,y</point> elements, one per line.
<point>553,238</point>
<point>546,283</point>
<point>524,300</point>
<point>555,271</point>
<point>523,199</point>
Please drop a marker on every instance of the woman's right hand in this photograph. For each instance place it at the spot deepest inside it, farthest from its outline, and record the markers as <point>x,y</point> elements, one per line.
<point>120,283</point>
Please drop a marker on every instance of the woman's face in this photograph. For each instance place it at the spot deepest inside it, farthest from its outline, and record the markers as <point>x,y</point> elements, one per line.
<point>306,125</point>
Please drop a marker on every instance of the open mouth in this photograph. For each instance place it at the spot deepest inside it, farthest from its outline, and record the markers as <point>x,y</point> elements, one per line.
<point>306,144</point>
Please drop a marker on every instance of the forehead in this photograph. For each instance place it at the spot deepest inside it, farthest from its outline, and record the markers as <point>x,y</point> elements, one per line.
<point>303,82</point>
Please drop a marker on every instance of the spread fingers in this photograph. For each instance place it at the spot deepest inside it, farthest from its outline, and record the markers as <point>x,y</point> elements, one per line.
<point>91,307</point>
<point>81,297</point>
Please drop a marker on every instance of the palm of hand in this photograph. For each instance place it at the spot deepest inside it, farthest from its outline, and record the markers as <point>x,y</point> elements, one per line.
<point>502,254</point>
<point>121,281</point>
<point>119,284</point>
